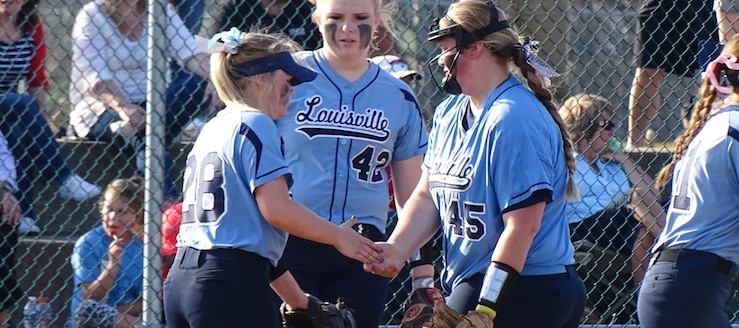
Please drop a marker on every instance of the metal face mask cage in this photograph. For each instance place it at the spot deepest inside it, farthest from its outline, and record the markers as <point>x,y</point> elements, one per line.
<point>462,39</point>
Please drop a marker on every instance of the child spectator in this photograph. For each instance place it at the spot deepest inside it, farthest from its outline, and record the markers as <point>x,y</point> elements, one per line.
<point>108,261</point>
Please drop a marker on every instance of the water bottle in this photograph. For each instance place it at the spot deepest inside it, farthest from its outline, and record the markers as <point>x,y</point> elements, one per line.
<point>37,313</point>
<point>31,316</point>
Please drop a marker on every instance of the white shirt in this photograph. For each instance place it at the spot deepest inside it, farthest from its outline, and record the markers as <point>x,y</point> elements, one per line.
<point>100,53</point>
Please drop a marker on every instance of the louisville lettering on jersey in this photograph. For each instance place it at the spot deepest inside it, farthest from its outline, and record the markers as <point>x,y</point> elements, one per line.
<point>316,122</point>
<point>451,175</point>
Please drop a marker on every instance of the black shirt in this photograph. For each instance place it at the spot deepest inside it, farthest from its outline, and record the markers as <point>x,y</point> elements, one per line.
<point>294,21</point>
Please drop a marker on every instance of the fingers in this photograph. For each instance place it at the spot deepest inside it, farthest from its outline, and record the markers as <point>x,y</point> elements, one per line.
<point>372,252</point>
<point>15,216</point>
<point>349,223</point>
<point>384,270</point>
<point>11,213</point>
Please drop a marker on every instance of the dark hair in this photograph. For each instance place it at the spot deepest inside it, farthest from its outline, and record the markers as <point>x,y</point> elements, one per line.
<point>28,19</point>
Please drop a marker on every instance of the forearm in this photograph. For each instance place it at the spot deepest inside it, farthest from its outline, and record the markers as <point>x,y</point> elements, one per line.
<point>509,256</point>
<point>109,93</point>
<point>133,309</point>
<point>199,64</point>
<point>637,177</point>
<point>98,289</point>
<point>298,220</point>
<point>417,223</point>
<point>289,291</point>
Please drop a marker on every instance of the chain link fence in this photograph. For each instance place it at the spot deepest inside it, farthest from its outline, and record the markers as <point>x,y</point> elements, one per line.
<point>590,43</point>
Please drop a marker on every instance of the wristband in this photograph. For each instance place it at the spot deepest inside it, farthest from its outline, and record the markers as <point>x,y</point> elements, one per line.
<point>422,282</point>
<point>499,279</point>
<point>487,310</point>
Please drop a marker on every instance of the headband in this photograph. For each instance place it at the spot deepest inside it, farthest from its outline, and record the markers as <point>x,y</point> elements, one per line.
<point>281,60</point>
<point>462,36</point>
<point>728,76</point>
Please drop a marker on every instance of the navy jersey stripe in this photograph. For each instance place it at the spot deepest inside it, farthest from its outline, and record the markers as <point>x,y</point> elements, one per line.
<point>245,130</point>
<point>543,195</point>
<point>733,133</point>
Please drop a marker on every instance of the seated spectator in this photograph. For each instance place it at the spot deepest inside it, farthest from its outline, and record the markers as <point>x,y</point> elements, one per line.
<point>10,292</point>
<point>290,17</point>
<point>22,121</point>
<point>108,92</point>
<point>618,209</point>
<point>108,261</point>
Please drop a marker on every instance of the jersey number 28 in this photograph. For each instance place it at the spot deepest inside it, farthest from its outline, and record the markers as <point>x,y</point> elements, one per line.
<point>203,199</point>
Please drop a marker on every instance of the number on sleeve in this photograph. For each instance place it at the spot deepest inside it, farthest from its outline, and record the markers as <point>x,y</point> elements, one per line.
<point>203,190</point>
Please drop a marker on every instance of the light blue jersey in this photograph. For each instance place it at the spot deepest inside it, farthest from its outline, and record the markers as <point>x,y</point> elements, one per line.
<point>704,208</point>
<point>475,175</point>
<point>597,189</point>
<point>236,152</point>
<point>340,136</point>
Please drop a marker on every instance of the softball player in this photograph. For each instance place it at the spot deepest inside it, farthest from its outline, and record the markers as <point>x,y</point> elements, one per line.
<point>496,175</point>
<point>341,131</point>
<point>688,283</point>
<point>236,207</point>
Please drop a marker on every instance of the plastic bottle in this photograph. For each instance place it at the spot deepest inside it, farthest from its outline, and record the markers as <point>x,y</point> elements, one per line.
<point>44,309</point>
<point>37,313</point>
<point>31,316</point>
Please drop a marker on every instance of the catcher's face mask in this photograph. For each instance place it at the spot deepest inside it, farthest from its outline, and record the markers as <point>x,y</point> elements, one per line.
<point>462,39</point>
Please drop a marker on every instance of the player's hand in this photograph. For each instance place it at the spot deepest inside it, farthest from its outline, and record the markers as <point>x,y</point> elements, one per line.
<point>11,210</point>
<point>614,156</point>
<point>392,262</point>
<point>115,249</point>
<point>355,246</point>
<point>216,104</point>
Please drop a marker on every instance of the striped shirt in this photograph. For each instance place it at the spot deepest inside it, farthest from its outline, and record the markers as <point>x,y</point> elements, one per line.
<point>15,62</point>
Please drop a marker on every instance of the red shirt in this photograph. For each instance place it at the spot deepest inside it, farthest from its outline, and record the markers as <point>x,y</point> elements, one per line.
<point>170,228</point>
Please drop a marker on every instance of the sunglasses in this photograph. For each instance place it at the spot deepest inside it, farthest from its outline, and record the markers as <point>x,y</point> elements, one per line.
<point>607,125</point>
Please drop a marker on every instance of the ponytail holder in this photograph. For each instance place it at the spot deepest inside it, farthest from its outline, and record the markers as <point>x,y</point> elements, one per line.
<point>226,41</point>
<point>531,50</point>
<point>710,74</point>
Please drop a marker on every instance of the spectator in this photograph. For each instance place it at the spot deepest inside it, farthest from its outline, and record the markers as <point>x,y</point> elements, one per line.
<point>669,32</point>
<point>108,261</point>
<point>397,68</point>
<point>28,134</point>
<point>619,208</point>
<point>291,17</point>
<point>727,16</point>
<point>109,76</point>
<point>10,292</point>
<point>340,136</point>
